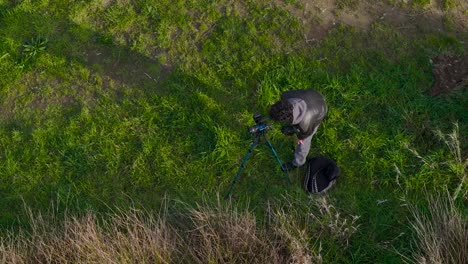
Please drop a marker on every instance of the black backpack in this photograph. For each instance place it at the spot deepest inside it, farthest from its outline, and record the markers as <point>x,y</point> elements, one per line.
<point>321,174</point>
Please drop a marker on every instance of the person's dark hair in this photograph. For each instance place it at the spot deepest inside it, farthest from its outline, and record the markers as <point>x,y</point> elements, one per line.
<point>282,111</point>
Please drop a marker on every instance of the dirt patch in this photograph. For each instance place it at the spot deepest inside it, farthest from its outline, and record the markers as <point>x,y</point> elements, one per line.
<point>122,69</point>
<point>317,32</point>
<point>450,73</point>
<point>319,16</point>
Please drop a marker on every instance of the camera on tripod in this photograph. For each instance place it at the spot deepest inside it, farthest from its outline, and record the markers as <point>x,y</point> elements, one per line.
<point>259,131</point>
<point>261,124</point>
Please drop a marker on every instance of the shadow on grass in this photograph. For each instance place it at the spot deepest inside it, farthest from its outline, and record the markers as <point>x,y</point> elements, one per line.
<point>155,99</point>
<point>151,128</point>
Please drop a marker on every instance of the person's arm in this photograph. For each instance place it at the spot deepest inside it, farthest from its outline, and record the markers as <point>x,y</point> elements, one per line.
<point>302,149</point>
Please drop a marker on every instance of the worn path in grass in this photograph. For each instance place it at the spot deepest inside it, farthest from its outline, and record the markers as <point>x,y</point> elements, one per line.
<point>408,17</point>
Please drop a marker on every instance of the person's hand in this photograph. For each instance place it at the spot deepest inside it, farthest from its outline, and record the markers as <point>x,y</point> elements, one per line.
<point>288,166</point>
<point>289,130</point>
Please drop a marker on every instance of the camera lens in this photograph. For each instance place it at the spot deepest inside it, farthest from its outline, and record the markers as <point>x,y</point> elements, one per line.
<point>252,129</point>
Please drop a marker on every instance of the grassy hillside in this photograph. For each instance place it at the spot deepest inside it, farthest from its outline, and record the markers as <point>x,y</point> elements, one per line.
<point>108,104</point>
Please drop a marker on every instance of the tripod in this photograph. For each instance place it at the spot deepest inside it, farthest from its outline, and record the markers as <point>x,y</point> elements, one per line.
<point>258,135</point>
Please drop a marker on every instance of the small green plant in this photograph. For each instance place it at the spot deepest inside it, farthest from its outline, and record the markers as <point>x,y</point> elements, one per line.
<point>449,4</point>
<point>352,4</point>
<point>449,24</point>
<point>421,3</point>
<point>31,50</point>
<point>290,1</point>
<point>34,47</point>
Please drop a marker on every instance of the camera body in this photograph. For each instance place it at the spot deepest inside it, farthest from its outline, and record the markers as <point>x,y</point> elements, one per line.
<point>261,124</point>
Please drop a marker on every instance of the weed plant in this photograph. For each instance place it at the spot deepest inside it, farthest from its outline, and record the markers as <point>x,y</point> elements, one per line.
<point>125,102</point>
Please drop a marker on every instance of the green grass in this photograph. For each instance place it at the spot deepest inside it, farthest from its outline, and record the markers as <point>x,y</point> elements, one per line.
<point>449,4</point>
<point>121,104</point>
<point>352,4</point>
<point>421,3</point>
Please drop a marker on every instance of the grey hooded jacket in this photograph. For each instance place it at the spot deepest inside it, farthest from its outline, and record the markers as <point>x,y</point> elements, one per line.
<point>309,110</point>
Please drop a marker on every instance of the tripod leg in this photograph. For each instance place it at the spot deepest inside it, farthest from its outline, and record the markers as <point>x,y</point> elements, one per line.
<point>241,167</point>
<point>277,158</point>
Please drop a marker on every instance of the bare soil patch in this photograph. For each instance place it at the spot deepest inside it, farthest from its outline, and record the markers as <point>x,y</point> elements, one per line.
<point>319,16</point>
<point>122,65</point>
<point>450,73</point>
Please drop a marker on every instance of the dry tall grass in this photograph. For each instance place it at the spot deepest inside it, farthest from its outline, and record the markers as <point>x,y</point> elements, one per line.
<point>223,234</point>
<point>131,237</point>
<point>216,233</point>
<point>454,166</point>
<point>457,164</point>
<point>442,234</point>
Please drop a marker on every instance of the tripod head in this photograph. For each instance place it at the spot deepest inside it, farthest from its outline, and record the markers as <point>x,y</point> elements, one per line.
<point>261,125</point>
